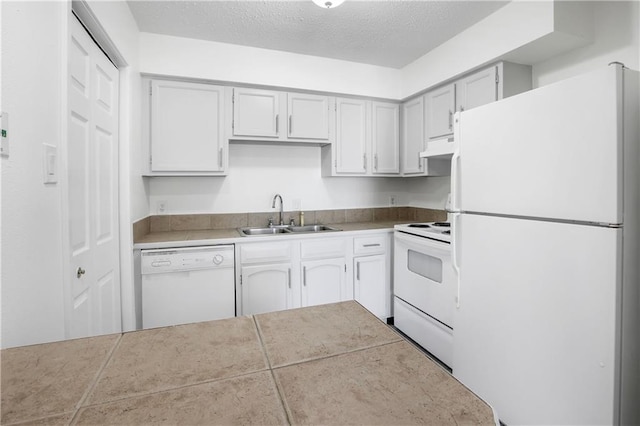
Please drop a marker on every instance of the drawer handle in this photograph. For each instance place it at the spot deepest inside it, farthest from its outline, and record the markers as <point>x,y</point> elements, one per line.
<point>371,245</point>
<point>304,276</point>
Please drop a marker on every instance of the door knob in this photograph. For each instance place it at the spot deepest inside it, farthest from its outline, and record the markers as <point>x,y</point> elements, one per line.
<point>80,272</point>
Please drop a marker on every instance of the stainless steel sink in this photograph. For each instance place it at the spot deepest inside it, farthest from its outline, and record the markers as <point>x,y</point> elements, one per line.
<point>312,228</point>
<point>262,231</point>
<point>278,230</point>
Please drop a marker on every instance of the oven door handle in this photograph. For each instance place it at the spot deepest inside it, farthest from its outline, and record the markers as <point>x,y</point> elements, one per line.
<point>455,234</point>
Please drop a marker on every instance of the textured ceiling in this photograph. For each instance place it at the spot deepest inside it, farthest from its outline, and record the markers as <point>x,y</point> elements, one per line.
<point>388,33</point>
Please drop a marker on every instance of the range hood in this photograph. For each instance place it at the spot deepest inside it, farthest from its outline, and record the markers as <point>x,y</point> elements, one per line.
<point>439,148</point>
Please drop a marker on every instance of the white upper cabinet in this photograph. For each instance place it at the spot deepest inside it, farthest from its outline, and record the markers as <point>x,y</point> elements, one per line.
<point>477,89</point>
<point>439,109</point>
<point>412,136</point>
<point>366,142</point>
<point>385,138</point>
<point>256,113</point>
<point>308,116</point>
<point>281,116</point>
<point>186,128</point>
<point>351,136</point>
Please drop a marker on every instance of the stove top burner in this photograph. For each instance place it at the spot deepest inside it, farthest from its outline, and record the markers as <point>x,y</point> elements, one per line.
<point>419,225</point>
<point>443,224</point>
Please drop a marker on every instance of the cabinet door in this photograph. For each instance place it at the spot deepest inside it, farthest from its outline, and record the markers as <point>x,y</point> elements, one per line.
<point>256,113</point>
<point>186,127</point>
<point>477,89</point>
<point>265,288</point>
<point>440,105</point>
<point>385,138</point>
<point>371,285</point>
<point>323,281</point>
<point>308,116</point>
<point>412,136</point>
<point>351,136</point>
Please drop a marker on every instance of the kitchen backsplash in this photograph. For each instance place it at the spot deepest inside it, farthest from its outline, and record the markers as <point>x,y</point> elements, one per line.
<point>193,222</point>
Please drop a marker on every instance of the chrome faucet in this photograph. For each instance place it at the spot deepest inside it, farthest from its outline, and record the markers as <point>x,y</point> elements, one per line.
<point>273,206</point>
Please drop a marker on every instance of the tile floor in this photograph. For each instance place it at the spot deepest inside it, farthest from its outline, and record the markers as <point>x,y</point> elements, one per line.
<point>330,364</point>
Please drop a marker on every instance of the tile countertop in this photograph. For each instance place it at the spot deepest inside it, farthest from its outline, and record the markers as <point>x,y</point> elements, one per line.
<point>169,239</point>
<point>328,364</point>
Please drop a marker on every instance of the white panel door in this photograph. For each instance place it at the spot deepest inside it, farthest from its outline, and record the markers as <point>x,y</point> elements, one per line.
<point>477,89</point>
<point>256,113</point>
<point>323,281</point>
<point>370,284</point>
<point>412,136</point>
<point>91,208</point>
<point>265,288</point>
<point>439,109</point>
<point>553,152</point>
<point>351,136</point>
<point>308,116</point>
<point>535,333</point>
<point>186,127</point>
<point>385,138</point>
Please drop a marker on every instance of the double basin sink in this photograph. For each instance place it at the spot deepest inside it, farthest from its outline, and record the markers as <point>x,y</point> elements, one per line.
<point>279,230</point>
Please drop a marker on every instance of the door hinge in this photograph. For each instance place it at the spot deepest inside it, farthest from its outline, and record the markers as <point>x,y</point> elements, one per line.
<point>497,76</point>
<point>240,279</point>
<point>150,89</point>
<point>233,98</point>
<point>150,160</point>
<point>345,267</point>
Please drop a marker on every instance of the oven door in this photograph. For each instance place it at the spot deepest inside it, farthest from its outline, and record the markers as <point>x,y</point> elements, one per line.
<point>424,276</point>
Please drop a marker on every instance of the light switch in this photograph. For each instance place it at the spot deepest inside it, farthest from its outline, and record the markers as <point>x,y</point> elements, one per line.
<point>4,146</point>
<point>50,163</point>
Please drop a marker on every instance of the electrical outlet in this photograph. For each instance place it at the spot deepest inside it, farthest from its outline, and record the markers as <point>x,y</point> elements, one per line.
<point>296,204</point>
<point>161,207</point>
<point>392,200</point>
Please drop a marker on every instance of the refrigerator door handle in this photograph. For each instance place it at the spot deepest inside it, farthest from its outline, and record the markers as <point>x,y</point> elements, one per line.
<point>455,235</point>
<point>455,190</point>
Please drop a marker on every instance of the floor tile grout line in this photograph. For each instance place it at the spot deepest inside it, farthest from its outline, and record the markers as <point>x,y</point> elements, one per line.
<point>31,421</point>
<point>144,394</point>
<point>284,404</point>
<point>350,351</point>
<point>96,378</point>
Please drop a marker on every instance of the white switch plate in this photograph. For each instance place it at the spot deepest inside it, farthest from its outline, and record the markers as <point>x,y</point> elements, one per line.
<point>296,204</point>
<point>4,146</point>
<point>392,200</point>
<point>161,207</point>
<point>50,163</point>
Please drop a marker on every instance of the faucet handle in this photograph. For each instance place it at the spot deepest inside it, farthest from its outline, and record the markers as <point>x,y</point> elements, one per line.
<point>270,222</point>
<point>292,222</point>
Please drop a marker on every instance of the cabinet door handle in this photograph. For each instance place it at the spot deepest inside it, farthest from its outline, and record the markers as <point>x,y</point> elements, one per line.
<point>304,276</point>
<point>290,125</point>
<point>358,271</point>
<point>371,245</point>
<point>277,123</point>
<point>375,161</point>
<point>220,158</point>
<point>419,162</point>
<point>289,277</point>
<point>364,161</point>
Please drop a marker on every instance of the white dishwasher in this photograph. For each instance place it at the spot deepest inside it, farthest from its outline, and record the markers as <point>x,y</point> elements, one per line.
<point>185,285</point>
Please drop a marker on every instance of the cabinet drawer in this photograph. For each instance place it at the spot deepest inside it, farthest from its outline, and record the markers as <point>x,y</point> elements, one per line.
<point>265,252</point>
<point>316,249</point>
<point>374,244</point>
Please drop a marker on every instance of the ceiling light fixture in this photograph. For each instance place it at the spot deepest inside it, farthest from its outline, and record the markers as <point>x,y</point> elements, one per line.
<point>328,4</point>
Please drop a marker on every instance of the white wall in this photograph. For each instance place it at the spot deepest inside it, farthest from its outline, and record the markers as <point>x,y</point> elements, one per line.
<point>258,172</point>
<point>184,57</point>
<point>616,38</point>
<point>32,76</point>
<point>34,39</point>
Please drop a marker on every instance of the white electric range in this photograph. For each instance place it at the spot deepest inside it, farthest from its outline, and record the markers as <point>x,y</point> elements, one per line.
<point>425,286</point>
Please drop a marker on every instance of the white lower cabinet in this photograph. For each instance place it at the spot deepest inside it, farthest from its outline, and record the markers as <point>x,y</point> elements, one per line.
<point>324,281</point>
<point>370,285</point>
<point>266,288</point>
<point>372,273</point>
<point>277,274</point>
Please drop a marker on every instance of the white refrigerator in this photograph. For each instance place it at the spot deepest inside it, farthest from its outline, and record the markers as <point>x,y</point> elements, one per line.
<point>545,234</point>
